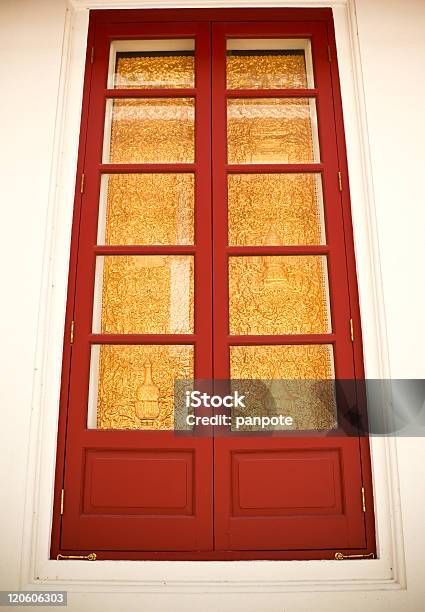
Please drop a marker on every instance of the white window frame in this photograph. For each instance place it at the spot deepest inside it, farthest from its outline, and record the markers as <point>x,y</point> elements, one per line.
<point>38,571</point>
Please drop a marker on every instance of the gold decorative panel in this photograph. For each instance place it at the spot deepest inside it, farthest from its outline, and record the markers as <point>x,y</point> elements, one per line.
<point>144,294</point>
<point>265,69</point>
<point>275,209</point>
<point>278,295</point>
<point>301,383</point>
<point>151,130</point>
<point>147,209</point>
<point>132,387</point>
<point>155,69</point>
<point>271,131</point>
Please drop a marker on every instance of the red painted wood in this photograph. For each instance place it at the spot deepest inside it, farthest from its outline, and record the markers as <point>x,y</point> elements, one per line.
<point>271,93</point>
<point>162,530</point>
<point>150,93</point>
<point>278,498</point>
<point>352,284</point>
<point>266,526</point>
<point>67,349</point>
<point>175,15</point>
<point>258,168</point>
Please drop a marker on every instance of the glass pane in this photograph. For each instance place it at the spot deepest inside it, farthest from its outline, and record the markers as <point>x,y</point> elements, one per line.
<point>275,209</point>
<point>132,387</point>
<point>266,63</point>
<point>144,294</point>
<point>301,382</point>
<point>152,63</point>
<point>149,130</point>
<point>146,209</point>
<point>272,131</point>
<point>279,295</point>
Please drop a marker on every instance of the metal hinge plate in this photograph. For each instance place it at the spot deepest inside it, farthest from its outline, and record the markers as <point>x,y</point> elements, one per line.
<point>83,178</point>
<point>340,181</point>
<point>351,330</point>
<point>62,498</point>
<point>71,333</point>
<point>363,500</point>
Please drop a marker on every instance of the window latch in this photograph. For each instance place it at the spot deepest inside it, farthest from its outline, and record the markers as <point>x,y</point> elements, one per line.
<point>339,556</point>
<point>90,557</point>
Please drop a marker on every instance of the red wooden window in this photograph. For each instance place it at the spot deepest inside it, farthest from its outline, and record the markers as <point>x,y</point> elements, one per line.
<point>202,132</point>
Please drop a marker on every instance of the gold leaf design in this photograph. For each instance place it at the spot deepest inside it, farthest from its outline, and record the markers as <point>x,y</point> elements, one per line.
<point>149,209</point>
<point>147,294</point>
<point>154,71</point>
<point>154,130</point>
<point>289,203</point>
<point>270,130</point>
<point>122,374</point>
<point>264,71</point>
<point>301,383</point>
<point>278,295</point>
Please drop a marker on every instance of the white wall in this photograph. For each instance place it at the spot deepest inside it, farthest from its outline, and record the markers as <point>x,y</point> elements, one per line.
<point>30,50</point>
<point>392,48</point>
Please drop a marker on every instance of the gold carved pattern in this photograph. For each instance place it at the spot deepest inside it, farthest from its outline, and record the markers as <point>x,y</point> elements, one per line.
<point>278,295</point>
<point>125,388</point>
<point>154,130</point>
<point>289,204</point>
<point>147,294</point>
<point>301,382</point>
<point>149,209</point>
<point>155,71</point>
<point>269,130</point>
<point>266,71</point>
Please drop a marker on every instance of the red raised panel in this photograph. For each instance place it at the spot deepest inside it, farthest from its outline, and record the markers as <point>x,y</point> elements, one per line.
<point>288,494</point>
<point>138,482</point>
<point>286,482</point>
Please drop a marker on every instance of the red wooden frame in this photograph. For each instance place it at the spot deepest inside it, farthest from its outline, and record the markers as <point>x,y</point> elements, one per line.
<point>316,24</point>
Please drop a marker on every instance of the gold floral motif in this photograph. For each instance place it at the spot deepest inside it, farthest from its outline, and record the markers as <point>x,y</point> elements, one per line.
<point>154,130</point>
<point>147,294</point>
<point>155,71</point>
<point>288,203</point>
<point>270,130</point>
<point>263,71</point>
<point>149,209</point>
<point>278,295</point>
<point>300,383</point>
<point>122,375</point>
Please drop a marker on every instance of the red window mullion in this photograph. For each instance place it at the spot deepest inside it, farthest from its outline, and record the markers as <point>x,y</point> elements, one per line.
<point>147,168</point>
<point>271,93</point>
<point>270,169</point>
<point>150,93</point>
<point>278,250</point>
<point>153,249</point>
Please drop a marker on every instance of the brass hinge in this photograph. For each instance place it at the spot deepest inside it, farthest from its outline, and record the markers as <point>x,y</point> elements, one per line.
<point>329,54</point>
<point>351,330</point>
<point>92,55</point>
<point>340,181</point>
<point>83,178</point>
<point>62,498</point>
<point>71,333</point>
<point>363,500</point>
<point>90,557</point>
<point>339,556</point>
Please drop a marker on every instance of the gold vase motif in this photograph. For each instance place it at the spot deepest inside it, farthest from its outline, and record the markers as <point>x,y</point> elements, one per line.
<point>147,397</point>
